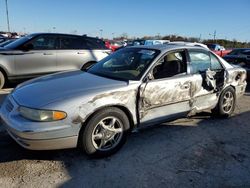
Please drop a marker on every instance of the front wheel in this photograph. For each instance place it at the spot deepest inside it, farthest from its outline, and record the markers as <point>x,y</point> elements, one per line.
<point>105,132</point>
<point>2,80</point>
<point>226,103</point>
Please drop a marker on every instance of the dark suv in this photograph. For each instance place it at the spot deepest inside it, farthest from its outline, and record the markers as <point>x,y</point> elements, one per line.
<point>43,53</point>
<point>240,57</point>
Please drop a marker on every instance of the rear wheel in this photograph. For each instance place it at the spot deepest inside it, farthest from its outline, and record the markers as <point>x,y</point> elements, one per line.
<point>2,80</point>
<point>105,132</point>
<point>226,103</point>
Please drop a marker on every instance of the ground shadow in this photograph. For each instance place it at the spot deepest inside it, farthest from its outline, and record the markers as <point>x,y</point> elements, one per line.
<point>143,153</point>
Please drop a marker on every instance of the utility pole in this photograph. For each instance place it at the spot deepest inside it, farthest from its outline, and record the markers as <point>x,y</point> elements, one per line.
<point>214,35</point>
<point>7,14</point>
<point>101,30</point>
<point>200,38</point>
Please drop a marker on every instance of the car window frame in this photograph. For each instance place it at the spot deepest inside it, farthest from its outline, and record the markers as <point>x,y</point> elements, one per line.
<point>148,72</point>
<point>211,54</point>
<point>93,40</point>
<point>190,62</point>
<point>32,39</point>
<point>79,38</point>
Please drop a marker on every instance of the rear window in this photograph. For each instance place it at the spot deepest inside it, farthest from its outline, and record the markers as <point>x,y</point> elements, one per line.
<point>71,42</point>
<point>94,43</point>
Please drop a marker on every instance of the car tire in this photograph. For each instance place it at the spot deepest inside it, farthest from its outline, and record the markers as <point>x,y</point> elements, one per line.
<point>2,80</point>
<point>226,103</point>
<point>105,132</point>
<point>87,65</point>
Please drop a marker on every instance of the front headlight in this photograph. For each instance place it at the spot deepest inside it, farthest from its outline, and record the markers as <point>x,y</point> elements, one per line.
<point>41,115</point>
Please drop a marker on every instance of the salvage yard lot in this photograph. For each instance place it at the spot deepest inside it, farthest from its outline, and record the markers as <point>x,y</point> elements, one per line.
<point>198,152</point>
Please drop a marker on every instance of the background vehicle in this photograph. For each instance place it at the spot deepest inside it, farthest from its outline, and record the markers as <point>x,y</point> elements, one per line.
<point>188,44</point>
<point>2,44</point>
<point>43,53</point>
<point>133,87</point>
<point>114,45</point>
<point>3,39</point>
<point>240,57</point>
<point>137,42</point>
<point>155,42</point>
<point>218,49</point>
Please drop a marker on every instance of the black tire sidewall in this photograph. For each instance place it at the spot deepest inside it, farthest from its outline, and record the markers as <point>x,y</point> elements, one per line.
<point>94,120</point>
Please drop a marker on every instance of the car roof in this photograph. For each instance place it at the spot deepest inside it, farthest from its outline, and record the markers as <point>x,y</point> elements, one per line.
<point>65,34</point>
<point>169,47</point>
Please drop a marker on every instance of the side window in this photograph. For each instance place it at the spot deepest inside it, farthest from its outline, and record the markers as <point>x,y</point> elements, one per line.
<point>200,61</point>
<point>246,52</point>
<point>215,63</point>
<point>71,43</point>
<point>172,64</point>
<point>44,42</point>
<point>93,43</point>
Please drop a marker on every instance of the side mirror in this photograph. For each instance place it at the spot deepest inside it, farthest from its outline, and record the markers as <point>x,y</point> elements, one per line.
<point>150,76</point>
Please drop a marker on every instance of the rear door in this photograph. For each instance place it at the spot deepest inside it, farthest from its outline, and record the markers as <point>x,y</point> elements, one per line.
<point>40,58</point>
<point>72,53</point>
<point>97,48</point>
<point>75,51</point>
<point>207,79</point>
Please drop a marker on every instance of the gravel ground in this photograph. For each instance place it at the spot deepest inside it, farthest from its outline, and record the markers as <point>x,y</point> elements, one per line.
<point>197,152</point>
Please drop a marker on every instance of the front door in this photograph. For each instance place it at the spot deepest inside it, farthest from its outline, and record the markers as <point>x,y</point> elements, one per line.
<point>39,59</point>
<point>167,94</point>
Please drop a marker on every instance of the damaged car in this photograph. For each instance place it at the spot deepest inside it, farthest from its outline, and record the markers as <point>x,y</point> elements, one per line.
<point>98,107</point>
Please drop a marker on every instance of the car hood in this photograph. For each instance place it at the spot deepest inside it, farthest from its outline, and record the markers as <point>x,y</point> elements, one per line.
<point>48,89</point>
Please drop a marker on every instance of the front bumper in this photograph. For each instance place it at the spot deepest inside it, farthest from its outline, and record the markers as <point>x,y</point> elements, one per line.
<point>37,135</point>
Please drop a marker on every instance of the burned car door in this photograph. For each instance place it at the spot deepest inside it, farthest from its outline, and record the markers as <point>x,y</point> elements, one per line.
<point>166,94</point>
<point>208,79</point>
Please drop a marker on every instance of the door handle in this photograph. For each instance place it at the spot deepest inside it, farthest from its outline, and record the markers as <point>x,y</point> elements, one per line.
<point>185,86</point>
<point>80,52</point>
<point>47,53</point>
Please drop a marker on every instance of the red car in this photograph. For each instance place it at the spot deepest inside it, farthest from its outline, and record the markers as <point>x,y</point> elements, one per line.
<point>218,49</point>
<point>113,45</point>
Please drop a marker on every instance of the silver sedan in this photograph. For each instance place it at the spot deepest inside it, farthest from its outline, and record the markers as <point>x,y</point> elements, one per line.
<point>95,109</point>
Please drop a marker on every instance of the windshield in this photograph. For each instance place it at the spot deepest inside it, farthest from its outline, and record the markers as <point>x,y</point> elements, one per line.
<point>13,45</point>
<point>126,64</point>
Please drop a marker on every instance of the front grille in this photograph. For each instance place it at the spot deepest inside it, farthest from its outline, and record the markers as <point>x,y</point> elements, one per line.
<point>9,106</point>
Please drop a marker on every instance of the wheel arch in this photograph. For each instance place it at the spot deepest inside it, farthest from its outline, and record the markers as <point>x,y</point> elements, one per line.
<point>4,72</point>
<point>89,63</point>
<point>121,107</point>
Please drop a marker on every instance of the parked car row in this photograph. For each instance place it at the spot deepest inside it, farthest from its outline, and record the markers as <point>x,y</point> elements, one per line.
<point>96,108</point>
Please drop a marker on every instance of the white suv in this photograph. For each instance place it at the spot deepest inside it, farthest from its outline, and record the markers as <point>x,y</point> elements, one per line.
<point>43,53</point>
